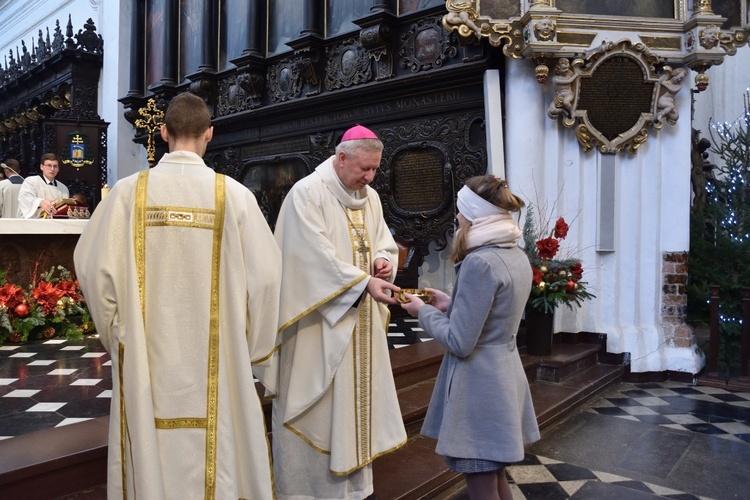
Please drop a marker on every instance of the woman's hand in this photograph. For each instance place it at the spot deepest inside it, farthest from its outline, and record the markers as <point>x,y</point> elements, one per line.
<point>439,299</point>
<point>413,306</point>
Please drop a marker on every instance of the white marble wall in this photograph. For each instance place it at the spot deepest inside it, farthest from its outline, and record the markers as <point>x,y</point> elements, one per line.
<point>545,165</point>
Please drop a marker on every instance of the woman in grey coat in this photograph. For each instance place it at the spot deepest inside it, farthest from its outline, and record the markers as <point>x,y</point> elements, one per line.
<point>481,411</point>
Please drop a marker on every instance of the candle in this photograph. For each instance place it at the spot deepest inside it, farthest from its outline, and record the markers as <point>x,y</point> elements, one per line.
<point>105,191</point>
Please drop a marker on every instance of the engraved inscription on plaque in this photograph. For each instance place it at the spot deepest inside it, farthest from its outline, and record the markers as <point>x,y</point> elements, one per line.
<point>418,180</point>
<point>615,96</point>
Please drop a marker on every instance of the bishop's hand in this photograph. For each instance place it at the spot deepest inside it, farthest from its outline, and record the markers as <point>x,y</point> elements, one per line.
<point>383,268</point>
<point>378,288</point>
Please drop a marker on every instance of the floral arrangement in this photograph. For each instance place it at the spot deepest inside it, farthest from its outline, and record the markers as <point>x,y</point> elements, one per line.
<point>555,281</point>
<point>51,305</point>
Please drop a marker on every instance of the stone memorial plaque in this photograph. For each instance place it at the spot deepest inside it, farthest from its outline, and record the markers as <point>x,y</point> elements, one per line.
<point>418,180</point>
<point>615,96</point>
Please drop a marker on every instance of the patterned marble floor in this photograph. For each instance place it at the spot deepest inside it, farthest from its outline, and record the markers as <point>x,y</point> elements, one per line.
<point>655,440</point>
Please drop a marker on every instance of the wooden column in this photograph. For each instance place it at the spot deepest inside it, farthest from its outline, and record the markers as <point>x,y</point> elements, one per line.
<point>137,49</point>
<point>256,14</point>
<point>171,42</point>
<point>384,5</point>
<point>313,18</point>
<point>210,39</point>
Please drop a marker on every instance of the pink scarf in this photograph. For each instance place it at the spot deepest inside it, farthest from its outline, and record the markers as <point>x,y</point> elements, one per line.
<point>496,230</point>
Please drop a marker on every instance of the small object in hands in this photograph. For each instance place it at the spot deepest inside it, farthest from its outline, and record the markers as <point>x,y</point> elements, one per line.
<point>420,294</point>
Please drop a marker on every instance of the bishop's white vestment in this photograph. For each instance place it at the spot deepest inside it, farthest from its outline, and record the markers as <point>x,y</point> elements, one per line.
<point>336,408</point>
<point>35,189</point>
<point>182,274</point>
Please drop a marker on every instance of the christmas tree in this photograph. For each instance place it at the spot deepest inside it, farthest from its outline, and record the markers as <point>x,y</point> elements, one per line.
<point>720,233</point>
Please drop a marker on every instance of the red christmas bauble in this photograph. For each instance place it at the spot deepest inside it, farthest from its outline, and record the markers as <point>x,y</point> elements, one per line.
<point>22,310</point>
<point>571,287</point>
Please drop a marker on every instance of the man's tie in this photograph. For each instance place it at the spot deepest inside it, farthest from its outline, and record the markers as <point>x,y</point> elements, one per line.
<point>53,183</point>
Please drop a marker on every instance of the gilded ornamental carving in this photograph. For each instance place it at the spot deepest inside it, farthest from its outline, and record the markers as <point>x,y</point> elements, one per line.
<point>570,44</point>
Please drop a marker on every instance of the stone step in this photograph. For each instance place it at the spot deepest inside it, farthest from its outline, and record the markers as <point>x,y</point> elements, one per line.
<point>73,458</point>
<point>553,401</point>
<point>416,471</point>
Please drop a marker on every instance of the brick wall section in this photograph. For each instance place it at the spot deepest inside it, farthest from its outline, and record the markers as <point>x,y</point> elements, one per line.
<point>674,300</point>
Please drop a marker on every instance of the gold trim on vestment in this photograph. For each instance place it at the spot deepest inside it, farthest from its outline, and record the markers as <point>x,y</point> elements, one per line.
<point>200,218</point>
<point>180,423</point>
<point>212,403</point>
<point>123,421</point>
<point>267,356</point>
<point>304,438</point>
<point>362,340</point>
<point>371,460</point>
<point>311,309</point>
<point>190,217</point>
<point>139,240</point>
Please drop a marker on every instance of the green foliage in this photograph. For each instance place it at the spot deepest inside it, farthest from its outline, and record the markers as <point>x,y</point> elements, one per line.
<point>720,237</point>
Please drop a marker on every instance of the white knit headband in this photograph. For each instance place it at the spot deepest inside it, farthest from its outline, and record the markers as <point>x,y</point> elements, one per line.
<point>472,206</point>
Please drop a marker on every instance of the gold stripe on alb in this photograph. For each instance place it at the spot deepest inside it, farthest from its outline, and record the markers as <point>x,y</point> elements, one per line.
<point>212,403</point>
<point>361,340</point>
<point>180,423</point>
<point>123,420</point>
<point>139,231</point>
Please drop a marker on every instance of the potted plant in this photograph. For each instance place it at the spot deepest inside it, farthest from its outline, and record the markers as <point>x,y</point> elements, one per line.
<point>51,305</point>
<point>555,280</point>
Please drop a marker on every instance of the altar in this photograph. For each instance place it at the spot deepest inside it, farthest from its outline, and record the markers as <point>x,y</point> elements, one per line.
<point>28,246</point>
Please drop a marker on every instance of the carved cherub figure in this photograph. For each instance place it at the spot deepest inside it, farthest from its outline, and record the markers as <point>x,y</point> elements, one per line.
<point>671,83</point>
<point>563,81</point>
<point>710,36</point>
<point>544,29</point>
<point>460,13</point>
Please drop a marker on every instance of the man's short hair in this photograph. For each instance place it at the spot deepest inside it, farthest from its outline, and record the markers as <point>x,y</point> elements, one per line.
<point>49,156</point>
<point>12,164</point>
<point>187,116</point>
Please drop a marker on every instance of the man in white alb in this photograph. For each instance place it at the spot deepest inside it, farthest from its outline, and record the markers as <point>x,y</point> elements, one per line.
<point>39,193</point>
<point>182,275</point>
<point>336,408</point>
<point>9,188</point>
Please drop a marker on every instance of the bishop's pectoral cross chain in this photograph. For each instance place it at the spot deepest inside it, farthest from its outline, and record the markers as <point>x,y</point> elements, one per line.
<point>363,248</point>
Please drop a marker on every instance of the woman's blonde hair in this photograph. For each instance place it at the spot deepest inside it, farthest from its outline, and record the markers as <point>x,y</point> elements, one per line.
<point>497,192</point>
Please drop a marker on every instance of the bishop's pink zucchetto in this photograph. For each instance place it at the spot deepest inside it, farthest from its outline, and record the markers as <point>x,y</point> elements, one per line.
<point>358,132</point>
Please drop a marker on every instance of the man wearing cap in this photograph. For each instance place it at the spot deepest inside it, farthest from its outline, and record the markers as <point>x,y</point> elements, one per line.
<point>40,193</point>
<point>9,188</point>
<point>336,408</point>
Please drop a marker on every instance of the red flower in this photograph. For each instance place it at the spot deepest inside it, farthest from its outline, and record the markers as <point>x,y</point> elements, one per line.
<point>47,295</point>
<point>576,271</point>
<point>68,289</point>
<point>538,276</point>
<point>547,247</point>
<point>561,229</point>
<point>11,295</point>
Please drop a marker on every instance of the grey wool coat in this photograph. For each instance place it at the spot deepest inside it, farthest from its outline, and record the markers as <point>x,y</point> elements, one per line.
<point>481,406</point>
